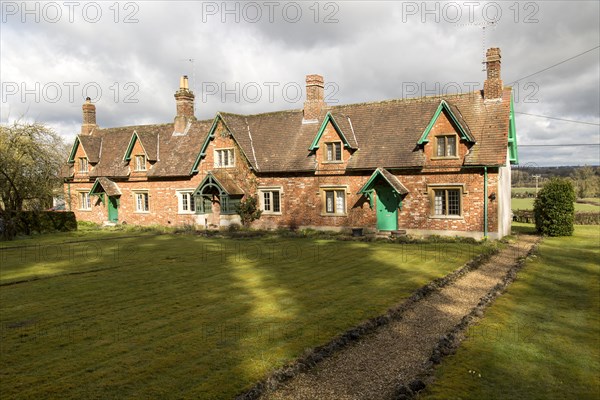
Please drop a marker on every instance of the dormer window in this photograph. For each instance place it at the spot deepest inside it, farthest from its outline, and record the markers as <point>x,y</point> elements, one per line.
<point>224,158</point>
<point>334,151</point>
<point>83,165</point>
<point>140,162</point>
<point>446,146</point>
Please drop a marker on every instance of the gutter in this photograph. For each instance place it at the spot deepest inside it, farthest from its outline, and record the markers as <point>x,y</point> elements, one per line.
<point>485,203</point>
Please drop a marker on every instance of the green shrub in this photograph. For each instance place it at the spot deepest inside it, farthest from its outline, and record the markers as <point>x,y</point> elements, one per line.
<point>553,209</point>
<point>248,210</point>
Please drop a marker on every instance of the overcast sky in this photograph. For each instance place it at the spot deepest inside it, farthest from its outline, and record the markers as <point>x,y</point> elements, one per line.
<point>252,57</point>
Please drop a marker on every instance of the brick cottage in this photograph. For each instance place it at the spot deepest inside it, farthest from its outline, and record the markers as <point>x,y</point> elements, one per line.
<point>432,165</point>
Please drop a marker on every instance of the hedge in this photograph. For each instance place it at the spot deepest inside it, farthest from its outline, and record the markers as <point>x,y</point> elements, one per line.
<point>581,217</point>
<point>28,222</point>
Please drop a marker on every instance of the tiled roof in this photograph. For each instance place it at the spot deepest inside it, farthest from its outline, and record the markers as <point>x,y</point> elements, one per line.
<point>385,134</point>
<point>109,187</point>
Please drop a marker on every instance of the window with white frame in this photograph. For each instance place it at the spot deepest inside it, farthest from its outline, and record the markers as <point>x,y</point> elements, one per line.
<point>85,203</point>
<point>140,162</point>
<point>270,200</point>
<point>333,151</point>
<point>83,165</point>
<point>334,201</point>
<point>186,202</point>
<point>446,202</point>
<point>224,158</point>
<point>141,201</point>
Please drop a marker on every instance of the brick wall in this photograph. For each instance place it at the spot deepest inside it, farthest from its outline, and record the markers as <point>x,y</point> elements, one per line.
<point>302,202</point>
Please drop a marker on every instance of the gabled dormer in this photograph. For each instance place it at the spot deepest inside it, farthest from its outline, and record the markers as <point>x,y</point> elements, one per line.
<point>221,149</point>
<point>334,142</point>
<point>447,136</point>
<point>84,155</point>
<point>142,152</point>
<point>136,156</point>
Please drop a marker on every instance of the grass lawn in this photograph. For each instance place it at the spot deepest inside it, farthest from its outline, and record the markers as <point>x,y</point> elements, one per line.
<point>527,204</point>
<point>183,316</point>
<point>541,339</point>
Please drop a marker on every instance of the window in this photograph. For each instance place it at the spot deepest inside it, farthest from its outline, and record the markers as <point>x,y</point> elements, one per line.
<point>224,158</point>
<point>85,202</point>
<point>140,163</point>
<point>186,202</point>
<point>270,201</point>
<point>446,202</point>
<point>446,146</point>
<point>334,151</point>
<point>83,165</point>
<point>335,201</point>
<point>141,202</point>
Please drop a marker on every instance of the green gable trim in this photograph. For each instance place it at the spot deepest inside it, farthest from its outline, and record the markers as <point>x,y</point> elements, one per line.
<point>74,150</point>
<point>512,135</point>
<point>369,186</point>
<point>211,136</point>
<point>329,118</point>
<point>132,141</point>
<point>445,107</point>
<point>97,185</point>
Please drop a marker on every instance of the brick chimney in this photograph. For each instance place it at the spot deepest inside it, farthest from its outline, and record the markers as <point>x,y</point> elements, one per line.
<point>185,106</point>
<point>89,117</point>
<point>315,97</point>
<point>492,87</point>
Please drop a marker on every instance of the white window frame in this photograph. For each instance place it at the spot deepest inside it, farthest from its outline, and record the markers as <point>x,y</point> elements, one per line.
<point>84,165</point>
<point>261,197</point>
<point>140,166</point>
<point>337,212</point>
<point>85,201</point>
<point>189,194</point>
<point>219,158</point>
<point>136,199</point>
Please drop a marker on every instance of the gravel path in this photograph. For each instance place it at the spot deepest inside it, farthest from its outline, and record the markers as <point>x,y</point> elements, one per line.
<point>395,354</point>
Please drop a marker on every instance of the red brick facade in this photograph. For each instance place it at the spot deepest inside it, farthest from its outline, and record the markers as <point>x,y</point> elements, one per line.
<point>454,157</point>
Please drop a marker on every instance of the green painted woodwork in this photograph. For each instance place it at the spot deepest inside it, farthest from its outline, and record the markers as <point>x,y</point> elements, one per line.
<point>113,209</point>
<point>512,135</point>
<point>445,107</point>
<point>387,207</point>
<point>74,150</point>
<point>329,118</point>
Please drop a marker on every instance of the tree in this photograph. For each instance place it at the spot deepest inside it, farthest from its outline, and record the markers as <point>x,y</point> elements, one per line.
<point>586,181</point>
<point>31,156</point>
<point>553,209</point>
<point>248,210</point>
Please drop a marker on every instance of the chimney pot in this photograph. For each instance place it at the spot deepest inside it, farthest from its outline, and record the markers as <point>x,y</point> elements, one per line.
<point>315,97</point>
<point>89,117</point>
<point>184,98</point>
<point>492,87</point>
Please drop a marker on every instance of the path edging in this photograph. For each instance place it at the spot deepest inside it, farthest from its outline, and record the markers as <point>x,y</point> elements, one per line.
<point>449,343</point>
<point>317,354</point>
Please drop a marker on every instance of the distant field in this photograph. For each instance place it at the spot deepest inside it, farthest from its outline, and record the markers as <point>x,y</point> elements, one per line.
<point>523,190</point>
<point>527,204</point>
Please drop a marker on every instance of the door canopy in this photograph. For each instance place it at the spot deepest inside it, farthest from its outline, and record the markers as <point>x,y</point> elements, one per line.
<point>221,184</point>
<point>382,175</point>
<point>104,185</point>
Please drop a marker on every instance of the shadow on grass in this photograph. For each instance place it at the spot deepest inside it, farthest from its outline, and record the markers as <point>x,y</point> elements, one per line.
<point>178,316</point>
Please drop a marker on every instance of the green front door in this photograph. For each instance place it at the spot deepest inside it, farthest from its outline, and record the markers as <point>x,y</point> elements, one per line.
<point>387,208</point>
<point>113,209</point>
